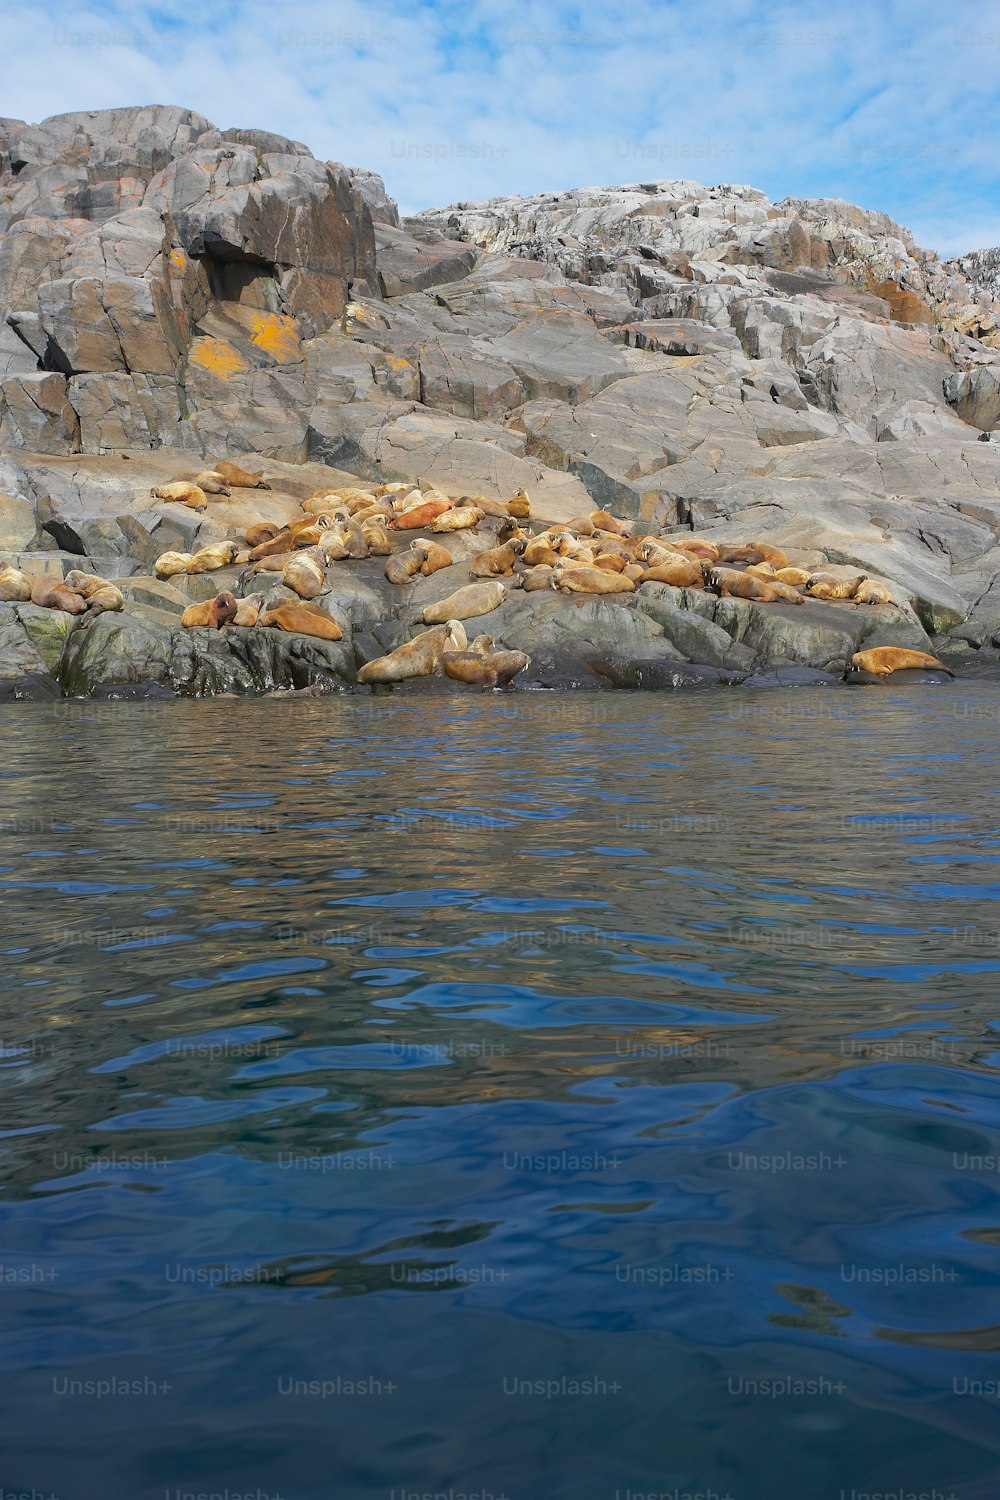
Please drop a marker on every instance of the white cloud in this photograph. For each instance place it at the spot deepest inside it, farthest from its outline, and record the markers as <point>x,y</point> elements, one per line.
<point>886,106</point>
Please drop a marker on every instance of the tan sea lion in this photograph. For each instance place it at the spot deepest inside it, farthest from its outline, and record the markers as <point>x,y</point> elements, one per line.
<point>262,531</point>
<point>435,557</point>
<point>211,482</point>
<point>459,518</point>
<point>870,592</point>
<point>587,580</point>
<point>305,573</point>
<point>102,596</point>
<point>376,536</point>
<point>541,576</point>
<point>611,562</point>
<point>489,507</point>
<point>170,564</point>
<point>519,506</point>
<point>784,591</point>
<point>215,555</point>
<point>248,611</point>
<point>466,603</point>
<point>883,660</point>
<point>603,520</point>
<point>499,561</point>
<point>762,570</point>
<point>484,668</point>
<point>14,586</point>
<point>420,657</point>
<point>730,583</point>
<point>238,478</point>
<point>301,619</point>
<point>680,573</point>
<point>795,576</point>
<point>403,566</point>
<point>825,586</point>
<point>539,552</point>
<point>213,613</point>
<point>182,492</point>
<point>693,547</point>
<point>272,564</point>
<point>54,593</point>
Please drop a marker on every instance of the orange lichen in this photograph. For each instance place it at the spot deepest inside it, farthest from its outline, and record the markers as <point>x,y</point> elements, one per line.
<point>218,357</point>
<point>277,335</point>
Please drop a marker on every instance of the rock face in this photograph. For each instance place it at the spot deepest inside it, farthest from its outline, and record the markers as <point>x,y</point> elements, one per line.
<point>689,357</point>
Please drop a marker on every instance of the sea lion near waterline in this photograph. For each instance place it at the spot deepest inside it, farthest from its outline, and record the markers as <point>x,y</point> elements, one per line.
<point>300,619</point>
<point>420,657</point>
<point>882,661</point>
<point>466,603</point>
<point>15,587</point>
<point>484,667</point>
<point>213,613</point>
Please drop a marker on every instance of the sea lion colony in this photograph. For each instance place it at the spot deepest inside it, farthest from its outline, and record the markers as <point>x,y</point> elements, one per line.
<point>594,554</point>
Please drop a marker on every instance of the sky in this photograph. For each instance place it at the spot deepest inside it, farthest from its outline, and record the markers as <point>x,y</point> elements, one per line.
<point>891,106</point>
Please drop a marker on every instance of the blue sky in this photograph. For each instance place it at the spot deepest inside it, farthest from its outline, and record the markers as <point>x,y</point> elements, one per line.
<point>892,106</point>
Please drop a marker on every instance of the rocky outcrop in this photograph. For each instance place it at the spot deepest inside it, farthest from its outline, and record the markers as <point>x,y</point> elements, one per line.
<point>690,357</point>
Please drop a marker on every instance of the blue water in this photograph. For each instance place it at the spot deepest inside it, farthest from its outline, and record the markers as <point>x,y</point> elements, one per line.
<point>541,1096</point>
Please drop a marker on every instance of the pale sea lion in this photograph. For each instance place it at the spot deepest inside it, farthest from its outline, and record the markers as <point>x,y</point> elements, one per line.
<point>489,507</point>
<point>870,592</point>
<point>587,580</point>
<point>435,557</point>
<point>519,505</point>
<point>466,603</point>
<point>459,518</point>
<point>215,555</point>
<point>14,586</point>
<point>499,561</point>
<point>881,661</point>
<point>680,573</point>
<point>825,586</point>
<point>305,573</point>
<point>420,657</point>
<point>170,564</point>
<point>795,576</point>
<point>232,474</point>
<point>212,482</point>
<point>102,596</point>
<point>182,492</point>
<point>213,613</point>
<point>301,619</point>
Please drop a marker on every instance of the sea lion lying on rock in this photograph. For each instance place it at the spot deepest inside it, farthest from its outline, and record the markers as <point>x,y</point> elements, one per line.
<point>483,666</point>
<point>882,661</point>
<point>459,518</point>
<point>301,619</point>
<point>305,573</point>
<point>825,586</point>
<point>870,592</point>
<point>182,492</point>
<point>212,482</point>
<point>238,478</point>
<point>581,579</point>
<point>420,657</point>
<point>54,593</point>
<point>215,555</point>
<point>102,597</point>
<point>172,564</point>
<point>499,561</point>
<point>14,586</point>
<point>466,603</point>
<point>680,572</point>
<point>211,613</point>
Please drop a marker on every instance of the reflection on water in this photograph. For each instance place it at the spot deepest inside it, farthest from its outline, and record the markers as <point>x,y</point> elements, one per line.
<point>549,1095</point>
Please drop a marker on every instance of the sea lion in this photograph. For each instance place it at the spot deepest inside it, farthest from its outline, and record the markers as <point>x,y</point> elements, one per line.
<point>102,597</point>
<point>762,570</point>
<point>459,518</point>
<point>587,580</point>
<point>301,619</point>
<point>305,573</point>
<point>397,487</point>
<point>603,520</point>
<point>354,539</point>
<point>580,525</point>
<point>693,547</point>
<point>232,474</point>
<point>795,576</point>
<point>729,583</point>
<point>611,562</point>
<point>784,591</point>
<point>495,508</point>
<point>466,603</point>
<point>519,506</point>
<point>435,557</point>
<point>680,573</point>
<point>870,592</point>
<point>882,661</point>
<point>420,657</point>
<point>182,492</point>
<point>273,563</point>
<point>213,613</point>
<point>752,552</point>
<point>14,586</point>
<point>262,531</point>
<point>539,577</point>
<point>376,536</point>
<point>420,515</point>
<point>637,572</point>
<point>55,593</point>
<point>170,564</point>
<point>379,510</point>
<point>215,555</point>
<point>539,552</point>
<point>499,561</point>
<point>483,667</point>
<point>212,482</point>
<point>825,586</point>
<point>403,567</point>
<point>248,611</point>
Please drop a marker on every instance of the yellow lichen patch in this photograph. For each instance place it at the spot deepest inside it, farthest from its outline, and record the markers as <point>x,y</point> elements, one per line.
<point>218,357</point>
<point>277,335</point>
<point>179,259</point>
<point>397,362</point>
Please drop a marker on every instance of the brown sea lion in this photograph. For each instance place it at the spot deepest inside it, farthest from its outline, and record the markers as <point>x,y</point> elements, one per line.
<point>693,546</point>
<point>825,586</point>
<point>54,593</point>
<point>238,478</point>
<point>248,611</point>
<point>539,552</point>
<point>603,520</point>
<point>519,506</point>
<point>466,603</point>
<point>611,562</point>
<point>499,561</point>
<point>213,613</point>
<point>403,566</point>
<point>14,586</point>
<point>541,576</point>
<point>262,531</point>
<point>484,668</point>
<point>681,573</point>
<point>420,657</point>
<point>182,492</point>
<point>587,580</point>
<point>881,661</point>
<point>420,516</point>
<point>870,592</point>
<point>729,583</point>
<point>376,537</point>
<point>435,557</point>
<point>301,619</point>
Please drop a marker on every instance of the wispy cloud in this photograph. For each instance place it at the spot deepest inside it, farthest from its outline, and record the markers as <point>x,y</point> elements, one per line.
<point>892,106</point>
